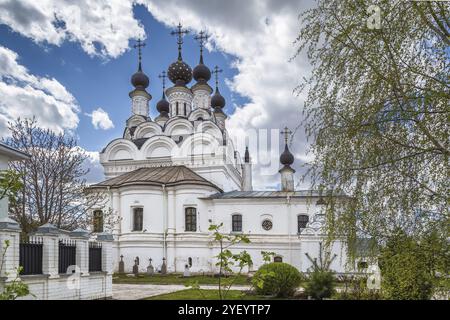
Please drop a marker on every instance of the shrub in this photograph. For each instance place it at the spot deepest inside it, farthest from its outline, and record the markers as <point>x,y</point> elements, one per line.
<point>277,278</point>
<point>321,284</point>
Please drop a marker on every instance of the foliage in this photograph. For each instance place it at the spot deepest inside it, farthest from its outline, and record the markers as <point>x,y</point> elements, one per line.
<point>377,115</point>
<point>321,280</point>
<point>53,179</point>
<point>205,294</point>
<point>226,259</point>
<point>277,278</point>
<point>355,288</point>
<point>177,278</point>
<point>10,184</point>
<point>408,269</point>
<point>267,256</point>
<point>16,288</point>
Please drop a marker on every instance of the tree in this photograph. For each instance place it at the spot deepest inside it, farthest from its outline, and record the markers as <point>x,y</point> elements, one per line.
<point>226,260</point>
<point>53,179</point>
<point>377,115</point>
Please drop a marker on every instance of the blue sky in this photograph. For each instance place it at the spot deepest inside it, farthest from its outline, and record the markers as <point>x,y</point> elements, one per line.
<point>105,82</point>
<point>61,61</point>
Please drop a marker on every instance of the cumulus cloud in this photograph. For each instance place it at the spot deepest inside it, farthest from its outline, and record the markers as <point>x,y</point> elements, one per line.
<point>100,119</point>
<point>102,27</point>
<point>26,95</point>
<point>260,34</point>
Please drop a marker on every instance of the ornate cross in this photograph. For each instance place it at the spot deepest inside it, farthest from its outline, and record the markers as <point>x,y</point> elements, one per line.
<point>216,72</point>
<point>163,76</point>
<point>138,46</point>
<point>202,37</point>
<point>286,133</point>
<point>179,32</point>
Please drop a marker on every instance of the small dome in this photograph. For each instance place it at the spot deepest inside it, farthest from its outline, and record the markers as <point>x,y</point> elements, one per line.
<point>180,73</point>
<point>202,73</point>
<point>140,80</point>
<point>286,157</point>
<point>217,101</point>
<point>163,105</point>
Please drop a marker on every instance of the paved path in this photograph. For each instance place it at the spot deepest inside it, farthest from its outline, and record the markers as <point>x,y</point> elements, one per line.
<point>141,291</point>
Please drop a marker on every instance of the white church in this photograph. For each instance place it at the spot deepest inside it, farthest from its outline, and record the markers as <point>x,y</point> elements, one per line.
<point>169,178</point>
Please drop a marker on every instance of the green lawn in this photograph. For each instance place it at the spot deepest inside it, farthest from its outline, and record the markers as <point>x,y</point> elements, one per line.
<point>176,278</point>
<point>194,294</point>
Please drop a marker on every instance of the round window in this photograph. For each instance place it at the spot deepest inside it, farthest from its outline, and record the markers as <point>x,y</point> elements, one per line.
<point>267,224</point>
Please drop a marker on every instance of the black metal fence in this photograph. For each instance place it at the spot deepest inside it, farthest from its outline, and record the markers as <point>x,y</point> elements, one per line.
<point>95,256</point>
<point>67,254</point>
<point>30,256</point>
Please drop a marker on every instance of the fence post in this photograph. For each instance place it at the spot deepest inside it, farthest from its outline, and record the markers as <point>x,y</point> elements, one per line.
<point>107,260</point>
<point>50,249</point>
<point>9,259</point>
<point>82,256</point>
<point>106,239</point>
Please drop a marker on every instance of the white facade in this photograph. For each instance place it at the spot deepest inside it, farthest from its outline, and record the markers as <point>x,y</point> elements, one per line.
<point>194,136</point>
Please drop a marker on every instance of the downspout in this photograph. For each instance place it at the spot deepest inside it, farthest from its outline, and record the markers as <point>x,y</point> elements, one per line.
<point>165,219</point>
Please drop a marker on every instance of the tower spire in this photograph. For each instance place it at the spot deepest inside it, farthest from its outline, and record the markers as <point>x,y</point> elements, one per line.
<point>286,132</point>
<point>138,46</point>
<point>202,37</point>
<point>179,32</point>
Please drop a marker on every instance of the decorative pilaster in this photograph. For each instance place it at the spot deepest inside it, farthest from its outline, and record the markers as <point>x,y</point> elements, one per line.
<point>50,249</point>
<point>82,254</point>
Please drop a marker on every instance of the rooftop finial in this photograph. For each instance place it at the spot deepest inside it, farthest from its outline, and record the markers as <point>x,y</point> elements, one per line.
<point>179,32</point>
<point>202,37</point>
<point>286,133</point>
<point>216,74</point>
<point>139,45</point>
<point>163,76</point>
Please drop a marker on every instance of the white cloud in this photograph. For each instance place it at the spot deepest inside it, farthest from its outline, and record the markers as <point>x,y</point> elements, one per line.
<point>100,119</point>
<point>25,95</point>
<point>102,27</point>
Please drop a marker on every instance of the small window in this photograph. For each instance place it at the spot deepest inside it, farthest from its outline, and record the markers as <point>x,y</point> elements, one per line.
<point>190,262</point>
<point>302,220</point>
<point>138,219</point>
<point>236,223</point>
<point>191,219</point>
<point>277,259</point>
<point>98,221</point>
<point>185,109</point>
<point>177,104</point>
<point>267,225</point>
<point>363,265</point>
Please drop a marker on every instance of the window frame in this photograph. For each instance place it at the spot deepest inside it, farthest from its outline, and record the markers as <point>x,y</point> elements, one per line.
<point>236,223</point>
<point>134,211</point>
<point>190,213</point>
<point>304,222</point>
<point>95,223</point>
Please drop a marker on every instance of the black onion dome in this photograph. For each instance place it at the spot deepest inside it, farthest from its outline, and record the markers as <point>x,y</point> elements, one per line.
<point>286,157</point>
<point>163,105</point>
<point>140,80</point>
<point>202,73</point>
<point>180,73</point>
<point>217,100</point>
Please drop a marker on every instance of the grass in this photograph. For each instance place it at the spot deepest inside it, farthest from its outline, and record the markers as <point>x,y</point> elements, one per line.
<point>176,278</point>
<point>195,294</point>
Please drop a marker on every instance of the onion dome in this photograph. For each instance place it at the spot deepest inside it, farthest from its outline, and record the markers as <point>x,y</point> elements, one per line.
<point>163,105</point>
<point>217,100</point>
<point>286,158</point>
<point>201,72</point>
<point>140,80</point>
<point>180,73</point>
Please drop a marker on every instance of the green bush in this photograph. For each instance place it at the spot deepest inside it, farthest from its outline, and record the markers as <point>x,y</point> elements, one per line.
<point>277,278</point>
<point>320,285</point>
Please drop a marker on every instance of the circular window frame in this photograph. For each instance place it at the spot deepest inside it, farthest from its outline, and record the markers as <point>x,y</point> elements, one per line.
<point>267,224</point>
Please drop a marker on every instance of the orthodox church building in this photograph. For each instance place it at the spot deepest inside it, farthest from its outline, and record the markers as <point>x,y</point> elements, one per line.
<point>169,178</point>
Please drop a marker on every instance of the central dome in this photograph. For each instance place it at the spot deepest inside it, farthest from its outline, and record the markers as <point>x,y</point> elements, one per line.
<point>180,73</point>
<point>202,73</point>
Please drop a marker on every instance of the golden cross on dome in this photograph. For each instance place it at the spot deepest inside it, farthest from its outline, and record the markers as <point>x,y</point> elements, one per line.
<point>216,72</point>
<point>286,133</point>
<point>179,32</point>
<point>138,46</point>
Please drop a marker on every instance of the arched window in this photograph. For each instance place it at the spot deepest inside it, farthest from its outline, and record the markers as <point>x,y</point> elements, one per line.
<point>138,219</point>
<point>236,220</point>
<point>191,219</point>
<point>98,221</point>
<point>190,262</point>
<point>277,259</point>
<point>185,109</point>
<point>177,108</point>
<point>302,221</point>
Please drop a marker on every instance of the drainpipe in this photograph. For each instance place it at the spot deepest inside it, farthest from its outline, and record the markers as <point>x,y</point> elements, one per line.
<point>165,219</point>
